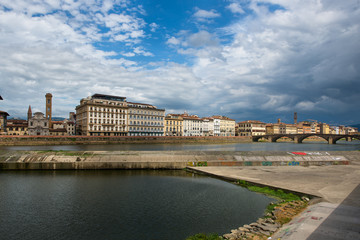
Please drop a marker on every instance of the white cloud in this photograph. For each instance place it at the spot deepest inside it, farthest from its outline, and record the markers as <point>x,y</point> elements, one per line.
<point>235,8</point>
<point>205,16</point>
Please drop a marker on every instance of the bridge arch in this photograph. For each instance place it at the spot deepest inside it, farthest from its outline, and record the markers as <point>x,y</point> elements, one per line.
<point>302,137</point>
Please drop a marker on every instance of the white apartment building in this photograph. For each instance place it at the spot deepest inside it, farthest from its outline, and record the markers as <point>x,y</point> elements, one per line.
<point>192,125</point>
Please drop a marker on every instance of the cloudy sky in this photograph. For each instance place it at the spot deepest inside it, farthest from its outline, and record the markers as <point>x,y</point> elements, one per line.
<point>245,59</point>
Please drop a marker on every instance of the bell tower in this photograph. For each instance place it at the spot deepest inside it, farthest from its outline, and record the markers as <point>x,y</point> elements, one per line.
<point>48,97</point>
<point>29,113</point>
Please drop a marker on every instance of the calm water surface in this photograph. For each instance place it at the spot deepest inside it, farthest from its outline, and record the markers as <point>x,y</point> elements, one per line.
<point>125,205</point>
<point>282,146</point>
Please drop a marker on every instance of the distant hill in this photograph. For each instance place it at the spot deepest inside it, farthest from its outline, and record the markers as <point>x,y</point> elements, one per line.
<point>357,126</point>
<point>57,118</point>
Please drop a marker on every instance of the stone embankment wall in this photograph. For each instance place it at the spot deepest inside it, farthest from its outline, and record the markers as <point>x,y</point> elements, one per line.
<point>55,160</point>
<point>73,140</point>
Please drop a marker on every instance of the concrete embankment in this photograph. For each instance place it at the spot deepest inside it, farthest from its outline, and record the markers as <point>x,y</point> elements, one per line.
<point>76,140</point>
<point>56,160</point>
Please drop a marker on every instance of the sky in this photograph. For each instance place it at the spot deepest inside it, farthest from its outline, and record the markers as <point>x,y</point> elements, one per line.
<point>244,59</point>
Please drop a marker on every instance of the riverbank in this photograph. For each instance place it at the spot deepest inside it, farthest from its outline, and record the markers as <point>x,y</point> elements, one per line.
<point>67,160</point>
<point>92,140</point>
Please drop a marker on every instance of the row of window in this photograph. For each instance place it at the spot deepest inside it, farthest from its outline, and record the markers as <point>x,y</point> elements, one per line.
<point>107,121</point>
<point>145,117</point>
<point>146,123</point>
<point>145,129</point>
<point>101,109</point>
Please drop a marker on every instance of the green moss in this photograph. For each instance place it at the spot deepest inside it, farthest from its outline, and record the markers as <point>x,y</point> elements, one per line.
<point>276,193</point>
<point>202,236</point>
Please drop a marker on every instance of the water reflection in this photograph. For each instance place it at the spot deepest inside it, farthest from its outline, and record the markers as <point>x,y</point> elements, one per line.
<point>283,146</point>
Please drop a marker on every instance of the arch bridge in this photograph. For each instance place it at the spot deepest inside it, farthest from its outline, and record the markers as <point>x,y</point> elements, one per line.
<point>298,138</point>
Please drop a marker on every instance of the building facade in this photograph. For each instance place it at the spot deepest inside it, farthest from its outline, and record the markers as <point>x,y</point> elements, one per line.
<point>173,125</point>
<point>17,127</point>
<point>145,120</point>
<point>251,128</point>
<point>38,125</point>
<point>102,115</point>
<point>192,125</point>
<point>227,126</point>
<point>3,122</point>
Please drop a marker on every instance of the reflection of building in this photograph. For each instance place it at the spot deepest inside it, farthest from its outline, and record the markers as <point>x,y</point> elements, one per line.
<point>17,127</point>
<point>173,125</point>
<point>145,120</point>
<point>251,128</point>
<point>38,125</point>
<point>3,121</point>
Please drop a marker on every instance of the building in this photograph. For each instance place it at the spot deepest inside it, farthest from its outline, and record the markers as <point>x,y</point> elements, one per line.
<point>38,125</point>
<point>227,126</point>
<point>216,126</point>
<point>192,125</point>
<point>70,127</point>
<point>145,120</point>
<point>102,115</point>
<point>3,122</point>
<point>324,128</point>
<point>251,128</point>
<point>173,125</point>
<point>17,127</point>
<point>48,108</point>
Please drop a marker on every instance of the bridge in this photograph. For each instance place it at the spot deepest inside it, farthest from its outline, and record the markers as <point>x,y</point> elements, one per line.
<point>298,138</point>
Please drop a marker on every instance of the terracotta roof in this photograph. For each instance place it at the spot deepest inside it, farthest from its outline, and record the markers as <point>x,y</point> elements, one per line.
<point>4,113</point>
<point>251,121</point>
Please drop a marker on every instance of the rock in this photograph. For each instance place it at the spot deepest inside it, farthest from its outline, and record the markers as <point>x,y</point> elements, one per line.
<point>305,199</point>
<point>247,226</point>
<point>234,231</point>
<point>268,227</point>
<point>242,229</point>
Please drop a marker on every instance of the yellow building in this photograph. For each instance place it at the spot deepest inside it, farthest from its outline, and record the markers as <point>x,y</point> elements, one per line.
<point>324,128</point>
<point>173,125</point>
<point>17,127</point>
<point>227,126</point>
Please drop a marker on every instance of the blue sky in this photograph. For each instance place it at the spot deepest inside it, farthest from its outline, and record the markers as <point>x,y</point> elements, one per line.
<point>245,59</point>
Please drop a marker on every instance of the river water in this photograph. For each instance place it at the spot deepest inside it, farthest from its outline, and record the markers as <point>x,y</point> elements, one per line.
<point>122,205</point>
<point>262,146</point>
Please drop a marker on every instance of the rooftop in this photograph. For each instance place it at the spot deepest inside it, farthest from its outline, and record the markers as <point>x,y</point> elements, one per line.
<point>108,97</point>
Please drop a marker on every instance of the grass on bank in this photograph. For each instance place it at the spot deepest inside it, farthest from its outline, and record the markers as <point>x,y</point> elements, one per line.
<point>202,236</point>
<point>276,193</point>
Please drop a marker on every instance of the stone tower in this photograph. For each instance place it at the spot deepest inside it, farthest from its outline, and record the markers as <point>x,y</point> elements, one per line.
<point>29,113</point>
<point>295,117</point>
<point>48,97</point>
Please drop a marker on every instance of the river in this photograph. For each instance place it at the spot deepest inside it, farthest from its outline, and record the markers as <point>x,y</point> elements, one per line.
<point>125,205</point>
<point>262,146</point>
